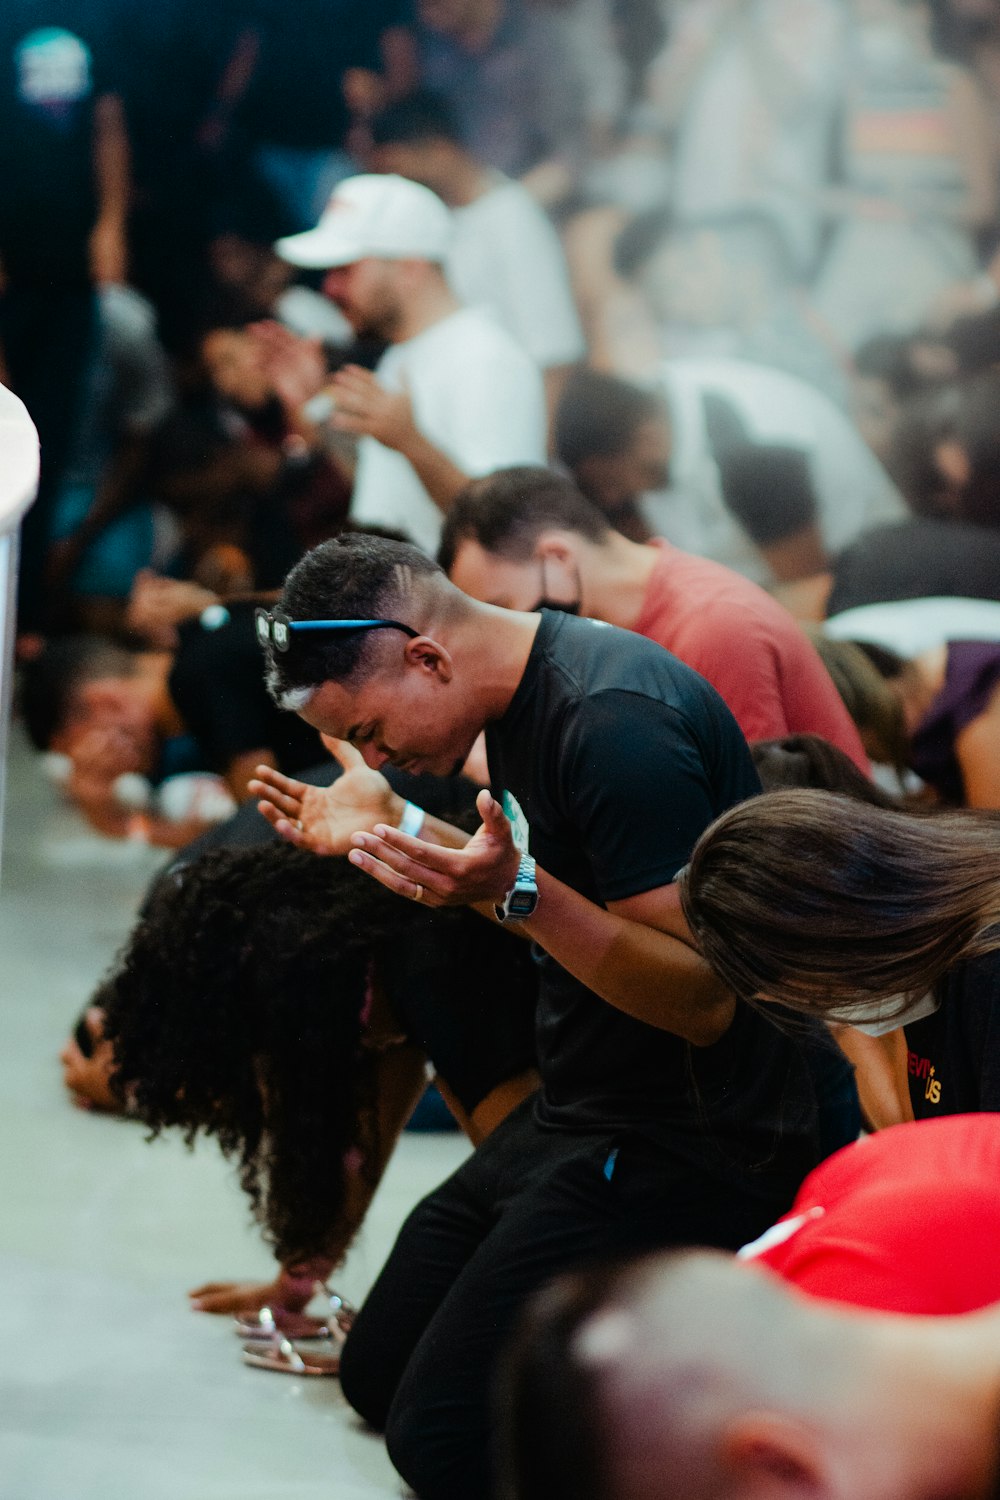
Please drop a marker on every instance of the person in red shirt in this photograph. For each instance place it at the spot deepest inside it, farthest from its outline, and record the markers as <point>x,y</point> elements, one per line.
<point>854,1353</point>
<point>906,1221</point>
<point>526,538</point>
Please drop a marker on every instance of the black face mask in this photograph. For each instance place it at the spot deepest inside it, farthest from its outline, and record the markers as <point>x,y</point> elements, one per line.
<point>566,608</point>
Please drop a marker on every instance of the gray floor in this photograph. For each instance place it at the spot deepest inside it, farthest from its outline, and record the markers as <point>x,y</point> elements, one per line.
<point>109,1386</point>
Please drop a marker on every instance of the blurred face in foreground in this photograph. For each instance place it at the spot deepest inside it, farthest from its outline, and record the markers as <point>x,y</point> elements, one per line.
<point>704,1379</point>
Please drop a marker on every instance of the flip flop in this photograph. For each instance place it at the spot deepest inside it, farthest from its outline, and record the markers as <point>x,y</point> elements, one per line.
<point>285,1358</point>
<point>268,1322</point>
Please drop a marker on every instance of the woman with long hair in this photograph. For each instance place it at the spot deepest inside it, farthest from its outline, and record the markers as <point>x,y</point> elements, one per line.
<point>937,713</point>
<point>864,915</point>
<point>288,1006</point>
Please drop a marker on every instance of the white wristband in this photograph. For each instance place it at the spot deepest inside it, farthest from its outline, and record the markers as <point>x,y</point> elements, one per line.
<point>412,820</point>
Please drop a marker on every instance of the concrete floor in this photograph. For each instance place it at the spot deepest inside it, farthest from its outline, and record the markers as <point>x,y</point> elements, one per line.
<point>110,1388</point>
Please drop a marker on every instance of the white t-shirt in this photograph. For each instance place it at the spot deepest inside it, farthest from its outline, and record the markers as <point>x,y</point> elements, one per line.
<point>758,128</point>
<point>853,491</point>
<point>476,395</point>
<point>506,256</point>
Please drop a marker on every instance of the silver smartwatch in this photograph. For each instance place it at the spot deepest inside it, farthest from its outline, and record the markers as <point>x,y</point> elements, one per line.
<point>522,898</point>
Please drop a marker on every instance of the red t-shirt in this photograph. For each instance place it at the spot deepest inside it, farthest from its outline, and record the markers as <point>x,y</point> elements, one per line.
<point>905,1221</point>
<point>748,647</point>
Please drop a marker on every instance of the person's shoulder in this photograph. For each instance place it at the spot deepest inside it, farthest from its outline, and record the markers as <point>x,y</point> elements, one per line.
<point>507,200</point>
<point>778,392</point>
<point>722,372</point>
<point>706,596</point>
<point>714,582</point>
<point>972,985</point>
<point>607,670</point>
<point>477,344</point>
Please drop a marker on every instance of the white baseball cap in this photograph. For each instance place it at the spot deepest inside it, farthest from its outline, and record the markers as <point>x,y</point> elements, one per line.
<point>383,216</point>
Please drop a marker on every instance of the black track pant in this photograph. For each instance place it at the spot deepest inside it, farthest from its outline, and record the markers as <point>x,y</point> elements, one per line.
<point>420,1360</point>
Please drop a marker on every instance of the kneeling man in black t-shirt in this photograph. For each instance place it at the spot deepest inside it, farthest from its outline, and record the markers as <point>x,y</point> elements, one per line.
<point>668,1112</point>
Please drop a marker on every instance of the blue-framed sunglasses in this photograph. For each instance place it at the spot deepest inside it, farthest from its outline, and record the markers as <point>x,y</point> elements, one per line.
<point>275,628</point>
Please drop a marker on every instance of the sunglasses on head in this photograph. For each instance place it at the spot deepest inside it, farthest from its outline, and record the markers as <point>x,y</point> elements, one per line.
<point>275,628</point>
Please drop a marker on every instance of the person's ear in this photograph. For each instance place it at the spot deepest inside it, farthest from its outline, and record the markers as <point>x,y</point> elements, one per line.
<point>953,463</point>
<point>430,657</point>
<point>772,1456</point>
<point>557,547</point>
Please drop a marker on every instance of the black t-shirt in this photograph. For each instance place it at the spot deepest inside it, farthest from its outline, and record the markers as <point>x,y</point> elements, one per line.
<point>619,756</point>
<point>56,59</point>
<point>466,993</point>
<point>917,559</point>
<point>953,1056</point>
<point>217,686</point>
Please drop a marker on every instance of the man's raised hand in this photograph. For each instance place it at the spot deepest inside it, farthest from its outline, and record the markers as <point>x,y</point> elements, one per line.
<point>479,874</point>
<point>323,818</point>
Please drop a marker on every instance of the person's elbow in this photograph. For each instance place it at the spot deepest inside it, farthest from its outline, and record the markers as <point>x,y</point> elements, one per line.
<point>711,1019</point>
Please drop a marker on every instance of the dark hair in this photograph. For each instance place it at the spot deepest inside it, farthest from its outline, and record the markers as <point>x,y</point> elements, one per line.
<point>355,576</point>
<point>815,899</point>
<point>49,682</point>
<point>887,663</point>
<point>966,412</point>
<point>888,357</point>
<point>424,115</point>
<point>245,981</point>
<point>925,421</point>
<point>223,310</point>
<point>547,1408</point>
<point>506,512</point>
<point>862,674</point>
<point>807,760</point>
<point>641,239</point>
<point>598,416</point>
<point>977,429</point>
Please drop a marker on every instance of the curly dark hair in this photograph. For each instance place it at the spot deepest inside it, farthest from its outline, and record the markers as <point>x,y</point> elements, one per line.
<point>236,1010</point>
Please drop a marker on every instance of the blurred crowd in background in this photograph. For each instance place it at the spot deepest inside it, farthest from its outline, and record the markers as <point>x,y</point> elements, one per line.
<point>752,246</point>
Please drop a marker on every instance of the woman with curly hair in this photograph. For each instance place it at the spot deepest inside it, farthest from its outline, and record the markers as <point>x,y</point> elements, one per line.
<point>288,1006</point>
<point>865,915</point>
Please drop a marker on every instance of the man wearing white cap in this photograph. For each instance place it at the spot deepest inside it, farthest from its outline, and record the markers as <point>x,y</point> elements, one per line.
<point>454,396</point>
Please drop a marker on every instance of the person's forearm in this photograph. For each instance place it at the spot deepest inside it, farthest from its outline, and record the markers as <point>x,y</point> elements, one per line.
<point>112,161</point>
<point>646,973</point>
<point>880,1079</point>
<point>118,490</point>
<point>442,479</point>
<point>432,830</point>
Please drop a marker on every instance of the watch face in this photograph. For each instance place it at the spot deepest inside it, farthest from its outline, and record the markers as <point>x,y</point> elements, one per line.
<point>522,903</point>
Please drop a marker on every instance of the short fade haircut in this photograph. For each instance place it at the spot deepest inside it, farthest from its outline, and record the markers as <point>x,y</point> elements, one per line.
<point>353,577</point>
<point>550,1440</point>
<point>599,414</point>
<point>49,683</point>
<point>507,511</point>
<point>415,119</point>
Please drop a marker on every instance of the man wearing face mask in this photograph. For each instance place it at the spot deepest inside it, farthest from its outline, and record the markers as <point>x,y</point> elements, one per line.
<point>526,538</point>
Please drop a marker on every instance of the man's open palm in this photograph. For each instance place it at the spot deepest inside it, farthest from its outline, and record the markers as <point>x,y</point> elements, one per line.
<point>323,818</point>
